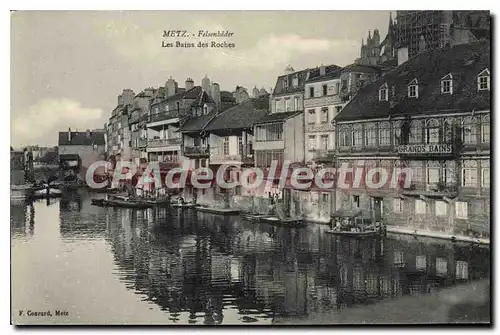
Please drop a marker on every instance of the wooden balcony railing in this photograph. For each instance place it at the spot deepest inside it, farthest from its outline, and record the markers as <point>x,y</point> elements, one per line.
<point>163,142</point>
<point>196,151</point>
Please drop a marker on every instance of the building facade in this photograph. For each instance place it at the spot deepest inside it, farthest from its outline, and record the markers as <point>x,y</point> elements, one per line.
<point>431,116</point>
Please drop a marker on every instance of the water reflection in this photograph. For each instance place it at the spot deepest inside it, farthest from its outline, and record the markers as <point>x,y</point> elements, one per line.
<point>203,269</point>
<point>205,265</point>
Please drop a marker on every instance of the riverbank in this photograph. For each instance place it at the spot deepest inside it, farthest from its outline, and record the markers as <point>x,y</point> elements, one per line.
<point>439,235</point>
<point>466,303</point>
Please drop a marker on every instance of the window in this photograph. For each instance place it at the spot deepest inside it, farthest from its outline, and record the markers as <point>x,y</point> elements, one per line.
<point>296,104</point>
<point>357,136</point>
<point>413,89</point>
<point>447,84</point>
<point>287,104</point>
<point>226,145</point>
<point>355,201</point>
<point>441,208</point>
<point>483,80</point>
<point>337,88</point>
<point>432,131</point>
<point>269,132</point>
<point>325,90</point>
<point>432,175</point>
<point>326,197</point>
<point>312,116</point>
<point>324,142</point>
<point>311,92</point>
<point>441,266</point>
<point>312,142</point>
<point>384,134</point>
<point>178,104</point>
<point>295,80</point>
<point>344,137</point>
<point>285,82</point>
<point>462,270</point>
<point>240,145</point>
<point>485,177</point>
<point>420,207</point>
<point>485,129</point>
<point>415,132</point>
<point>383,93</point>
<point>421,262</point>
<point>469,174</point>
<point>469,134</point>
<point>324,115</point>
<point>370,135</point>
<point>397,205</point>
<point>461,210</point>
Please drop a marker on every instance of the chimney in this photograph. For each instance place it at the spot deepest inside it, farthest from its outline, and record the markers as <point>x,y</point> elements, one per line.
<point>216,94</point>
<point>189,84</point>
<point>402,55</point>
<point>170,87</point>
<point>69,134</point>
<point>321,70</point>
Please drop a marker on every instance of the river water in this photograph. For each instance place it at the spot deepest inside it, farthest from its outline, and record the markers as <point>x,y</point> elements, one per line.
<point>94,265</point>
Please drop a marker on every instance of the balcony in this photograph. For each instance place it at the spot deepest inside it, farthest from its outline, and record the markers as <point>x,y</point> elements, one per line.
<point>431,189</point>
<point>196,151</point>
<point>164,142</point>
<point>426,150</point>
<point>323,156</point>
<point>142,143</point>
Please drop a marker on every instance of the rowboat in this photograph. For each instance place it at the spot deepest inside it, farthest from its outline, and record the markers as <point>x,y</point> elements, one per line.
<point>353,223</point>
<point>251,217</point>
<point>47,193</point>
<point>183,205</point>
<point>368,233</point>
<point>288,222</point>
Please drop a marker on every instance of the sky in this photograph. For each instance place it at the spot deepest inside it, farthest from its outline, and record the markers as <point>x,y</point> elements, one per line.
<point>67,68</point>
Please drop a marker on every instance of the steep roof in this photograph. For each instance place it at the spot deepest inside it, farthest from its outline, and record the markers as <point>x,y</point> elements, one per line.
<point>81,138</point>
<point>463,61</point>
<point>277,117</point>
<point>241,116</point>
<point>280,89</point>
<point>197,124</point>
<point>331,71</point>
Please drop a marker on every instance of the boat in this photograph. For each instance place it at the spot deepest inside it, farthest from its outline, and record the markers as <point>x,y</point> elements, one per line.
<point>47,192</point>
<point>127,203</point>
<point>98,202</point>
<point>157,202</point>
<point>183,204</point>
<point>353,223</point>
<point>281,219</point>
<point>289,222</point>
<point>20,192</point>
<point>252,217</point>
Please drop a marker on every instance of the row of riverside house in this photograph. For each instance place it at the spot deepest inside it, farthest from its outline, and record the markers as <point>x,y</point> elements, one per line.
<point>385,112</point>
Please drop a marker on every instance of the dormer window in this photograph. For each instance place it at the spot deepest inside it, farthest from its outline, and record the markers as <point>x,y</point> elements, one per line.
<point>383,93</point>
<point>205,109</point>
<point>295,81</point>
<point>413,89</point>
<point>483,80</point>
<point>447,84</point>
<point>285,82</point>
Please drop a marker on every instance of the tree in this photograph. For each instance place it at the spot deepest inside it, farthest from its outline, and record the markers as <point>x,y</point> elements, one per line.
<point>49,157</point>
